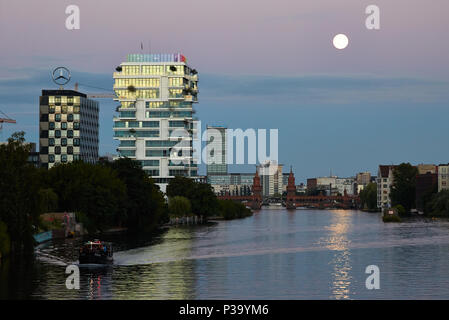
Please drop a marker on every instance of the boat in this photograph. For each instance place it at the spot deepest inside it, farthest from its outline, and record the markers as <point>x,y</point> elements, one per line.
<point>96,252</point>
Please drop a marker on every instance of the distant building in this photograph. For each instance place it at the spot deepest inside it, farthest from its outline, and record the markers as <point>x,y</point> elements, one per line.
<point>231,183</point>
<point>301,188</point>
<point>325,185</point>
<point>271,178</point>
<point>443,177</point>
<point>363,178</point>
<point>33,157</point>
<point>427,168</point>
<point>68,127</point>
<point>345,185</point>
<point>216,150</point>
<point>384,182</point>
<point>425,184</point>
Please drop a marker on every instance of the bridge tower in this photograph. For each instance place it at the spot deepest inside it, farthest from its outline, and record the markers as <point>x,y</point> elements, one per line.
<point>257,192</point>
<point>291,191</point>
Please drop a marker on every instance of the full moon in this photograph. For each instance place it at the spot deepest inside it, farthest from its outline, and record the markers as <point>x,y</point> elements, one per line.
<point>341,41</point>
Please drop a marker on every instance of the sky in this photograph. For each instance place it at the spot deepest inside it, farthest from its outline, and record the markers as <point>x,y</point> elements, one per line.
<point>262,64</point>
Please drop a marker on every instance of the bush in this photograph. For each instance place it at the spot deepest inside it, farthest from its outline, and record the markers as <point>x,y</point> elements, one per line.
<point>233,210</point>
<point>400,210</point>
<point>179,206</point>
<point>391,218</point>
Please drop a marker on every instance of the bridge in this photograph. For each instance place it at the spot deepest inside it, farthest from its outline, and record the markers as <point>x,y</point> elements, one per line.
<point>293,201</point>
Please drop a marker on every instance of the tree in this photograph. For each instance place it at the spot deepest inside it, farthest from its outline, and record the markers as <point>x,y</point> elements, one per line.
<point>91,189</point>
<point>19,192</point>
<point>202,198</point>
<point>5,242</point>
<point>404,186</point>
<point>438,204</point>
<point>179,206</point>
<point>368,196</point>
<point>233,210</point>
<point>145,204</point>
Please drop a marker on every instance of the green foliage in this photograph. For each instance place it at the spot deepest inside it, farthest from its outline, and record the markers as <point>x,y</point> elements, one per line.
<point>5,241</point>
<point>400,209</point>
<point>368,197</point>
<point>179,206</point>
<point>203,200</point>
<point>145,204</point>
<point>233,210</point>
<point>19,192</point>
<point>391,218</point>
<point>48,200</point>
<point>438,205</point>
<point>92,189</point>
<point>404,186</point>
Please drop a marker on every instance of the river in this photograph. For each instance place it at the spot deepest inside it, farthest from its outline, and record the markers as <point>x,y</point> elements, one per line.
<point>275,254</point>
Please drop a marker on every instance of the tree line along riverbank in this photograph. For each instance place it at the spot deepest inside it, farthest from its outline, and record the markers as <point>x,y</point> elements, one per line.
<point>404,201</point>
<point>103,195</point>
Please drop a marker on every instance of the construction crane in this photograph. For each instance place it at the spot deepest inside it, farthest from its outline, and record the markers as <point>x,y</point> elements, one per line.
<point>5,120</point>
<point>101,95</point>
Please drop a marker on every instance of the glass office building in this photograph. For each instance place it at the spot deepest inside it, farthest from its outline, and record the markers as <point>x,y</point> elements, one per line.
<point>154,125</point>
<point>216,151</point>
<point>68,127</point>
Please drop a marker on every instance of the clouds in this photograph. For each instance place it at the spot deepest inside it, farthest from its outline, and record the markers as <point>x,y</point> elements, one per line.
<point>324,89</point>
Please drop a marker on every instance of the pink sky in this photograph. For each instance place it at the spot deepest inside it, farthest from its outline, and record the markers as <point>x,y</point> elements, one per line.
<point>286,37</point>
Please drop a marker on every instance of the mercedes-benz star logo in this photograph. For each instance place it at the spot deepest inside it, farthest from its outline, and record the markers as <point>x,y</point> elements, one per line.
<point>61,75</point>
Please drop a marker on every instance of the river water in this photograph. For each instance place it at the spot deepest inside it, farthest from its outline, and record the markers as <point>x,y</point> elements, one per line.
<point>275,254</point>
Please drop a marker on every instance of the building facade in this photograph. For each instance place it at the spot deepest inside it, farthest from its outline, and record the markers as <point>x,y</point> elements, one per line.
<point>443,177</point>
<point>216,150</point>
<point>384,181</point>
<point>271,178</point>
<point>68,127</point>
<point>154,126</point>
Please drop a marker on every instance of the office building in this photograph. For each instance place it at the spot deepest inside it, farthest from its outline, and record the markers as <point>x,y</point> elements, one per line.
<point>68,127</point>
<point>216,150</point>
<point>154,125</point>
<point>271,178</point>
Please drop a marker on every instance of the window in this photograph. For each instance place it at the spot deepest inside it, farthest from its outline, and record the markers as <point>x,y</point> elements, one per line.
<point>70,150</point>
<point>58,150</point>
<point>51,158</point>
<point>76,141</point>
<point>76,157</point>
<point>51,126</point>
<point>127,143</point>
<point>51,142</point>
<point>70,117</point>
<point>51,109</point>
<point>58,117</point>
<point>64,125</point>
<point>64,109</point>
<point>58,133</point>
<point>76,125</point>
<point>69,133</point>
<point>64,158</point>
<point>64,142</point>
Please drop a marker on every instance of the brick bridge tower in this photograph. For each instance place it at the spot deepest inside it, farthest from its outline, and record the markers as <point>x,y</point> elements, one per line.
<point>291,191</point>
<point>257,192</point>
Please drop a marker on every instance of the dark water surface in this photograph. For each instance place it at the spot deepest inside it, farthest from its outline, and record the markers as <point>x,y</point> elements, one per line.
<point>275,254</point>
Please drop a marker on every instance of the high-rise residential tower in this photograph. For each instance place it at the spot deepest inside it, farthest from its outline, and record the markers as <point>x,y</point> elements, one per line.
<point>68,127</point>
<point>154,126</point>
<point>216,151</point>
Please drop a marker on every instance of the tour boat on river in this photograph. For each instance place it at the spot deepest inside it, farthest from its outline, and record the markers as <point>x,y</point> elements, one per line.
<point>96,252</point>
